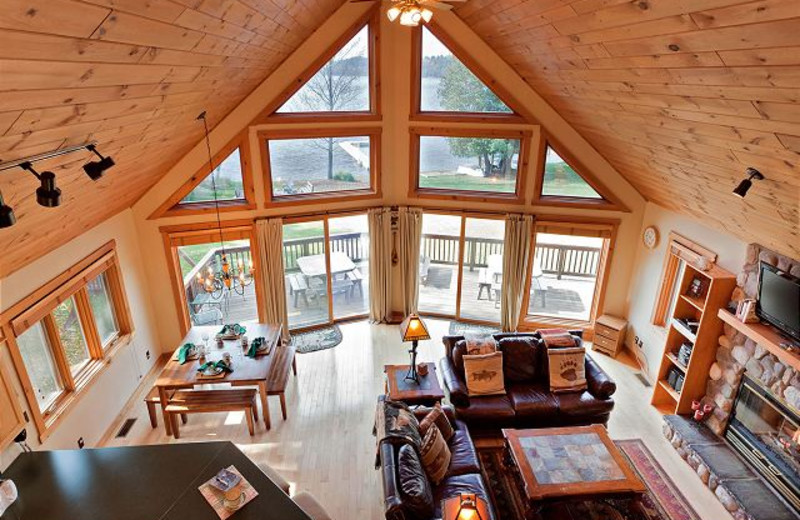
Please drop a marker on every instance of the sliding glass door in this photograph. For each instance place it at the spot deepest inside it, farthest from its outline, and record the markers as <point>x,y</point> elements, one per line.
<point>348,239</point>
<point>461,267</point>
<point>326,263</point>
<point>440,256</point>
<point>482,272</point>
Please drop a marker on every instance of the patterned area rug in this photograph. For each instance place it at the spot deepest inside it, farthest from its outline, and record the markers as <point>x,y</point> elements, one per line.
<point>458,328</point>
<point>318,339</point>
<point>663,501</point>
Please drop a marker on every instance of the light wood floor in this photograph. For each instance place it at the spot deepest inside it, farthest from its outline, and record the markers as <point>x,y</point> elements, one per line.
<point>326,446</point>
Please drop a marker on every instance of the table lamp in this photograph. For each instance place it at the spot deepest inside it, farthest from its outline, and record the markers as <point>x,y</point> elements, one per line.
<point>413,329</point>
<point>466,506</point>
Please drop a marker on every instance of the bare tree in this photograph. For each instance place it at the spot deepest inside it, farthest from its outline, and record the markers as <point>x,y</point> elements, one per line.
<point>334,88</point>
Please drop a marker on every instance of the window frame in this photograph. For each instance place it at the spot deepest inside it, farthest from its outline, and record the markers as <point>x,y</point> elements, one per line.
<point>608,201</point>
<point>373,192</point>
<point>38,308</point>
<point>679,248</point>
<point>8,393</point>
<point>517,116</point>
<point>174,206</point>
<point>567,225</point>
<point>203,233</point>
<point>518,197</point>
<point>371,20</point>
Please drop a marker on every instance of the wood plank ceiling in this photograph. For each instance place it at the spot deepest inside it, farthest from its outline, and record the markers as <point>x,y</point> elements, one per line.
<point>133,75</point>
<point>679,95</point>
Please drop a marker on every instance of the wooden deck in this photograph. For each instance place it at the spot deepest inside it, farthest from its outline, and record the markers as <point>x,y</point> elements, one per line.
<point>565,298</point>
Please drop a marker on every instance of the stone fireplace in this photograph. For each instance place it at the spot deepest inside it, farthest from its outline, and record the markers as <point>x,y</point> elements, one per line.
<point>756,418</point>
<point>737,354</point>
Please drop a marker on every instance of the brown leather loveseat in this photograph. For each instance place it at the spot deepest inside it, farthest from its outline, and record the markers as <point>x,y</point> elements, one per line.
<point>463,476</point>
<point>528,402</point>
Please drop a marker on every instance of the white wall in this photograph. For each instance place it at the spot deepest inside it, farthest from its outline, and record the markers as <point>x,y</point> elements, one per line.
<point>99,406</point>
<point>646,278</point>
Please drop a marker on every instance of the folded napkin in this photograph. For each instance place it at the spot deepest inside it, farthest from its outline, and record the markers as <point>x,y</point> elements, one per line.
<point>219,364</point>
<point>232,329</point>
<point>183,353</point>
<point>254,346</point>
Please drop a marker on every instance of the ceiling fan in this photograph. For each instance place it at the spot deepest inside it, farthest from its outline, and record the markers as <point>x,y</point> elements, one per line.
<point>412,12</point>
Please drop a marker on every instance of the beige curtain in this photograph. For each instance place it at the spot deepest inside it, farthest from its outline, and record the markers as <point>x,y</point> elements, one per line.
<point>270,255</point>
<point>380,264</point>
<point>409,234</point>
<point>516,253</point>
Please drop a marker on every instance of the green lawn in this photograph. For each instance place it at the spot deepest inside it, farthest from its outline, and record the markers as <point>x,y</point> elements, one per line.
<point>467,183</point>
<point>561,180</point>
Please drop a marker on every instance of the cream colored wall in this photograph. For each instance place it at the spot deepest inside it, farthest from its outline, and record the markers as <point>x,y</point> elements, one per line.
<point>395,45</point>
<point>646,277</point>
<point>103,401</point>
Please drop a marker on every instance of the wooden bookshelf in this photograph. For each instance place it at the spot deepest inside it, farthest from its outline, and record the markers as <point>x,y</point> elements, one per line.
<point>718,285</point>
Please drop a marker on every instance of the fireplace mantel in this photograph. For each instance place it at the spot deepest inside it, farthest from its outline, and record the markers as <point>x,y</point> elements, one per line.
<point>765,336</point>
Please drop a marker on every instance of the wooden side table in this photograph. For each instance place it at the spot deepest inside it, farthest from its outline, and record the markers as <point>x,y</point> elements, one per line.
<point>609,334</point>
<point>428,392</point>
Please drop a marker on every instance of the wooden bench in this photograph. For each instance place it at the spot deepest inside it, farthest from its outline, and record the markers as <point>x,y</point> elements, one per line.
<point>152,400</point>
<point>279,373</point>
<point>298,288</point>
<point>357,278</point>
<point>484,283</point>
<point>210,401</point>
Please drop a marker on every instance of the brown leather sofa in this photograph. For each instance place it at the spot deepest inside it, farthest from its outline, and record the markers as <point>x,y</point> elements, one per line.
<point>528,402</point>
<point>463,476</point>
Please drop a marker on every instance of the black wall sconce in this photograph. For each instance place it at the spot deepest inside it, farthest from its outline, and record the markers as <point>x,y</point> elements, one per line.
<point>48,194</point>
<point>744,186</point>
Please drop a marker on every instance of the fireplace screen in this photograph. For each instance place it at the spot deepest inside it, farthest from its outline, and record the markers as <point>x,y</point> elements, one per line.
<point>766,431</point>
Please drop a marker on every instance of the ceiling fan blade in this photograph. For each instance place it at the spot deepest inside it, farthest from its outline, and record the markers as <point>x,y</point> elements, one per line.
<point>438,5</point>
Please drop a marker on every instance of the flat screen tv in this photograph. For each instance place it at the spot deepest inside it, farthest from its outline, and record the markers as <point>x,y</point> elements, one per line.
<point>779,300</point>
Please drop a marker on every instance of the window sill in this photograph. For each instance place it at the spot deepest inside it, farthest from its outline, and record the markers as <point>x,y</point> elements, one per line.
<point>202,208</point>
<point>469,196</point>
<point>578,202</point>
<point>83,381</point>
<point>313,198</point>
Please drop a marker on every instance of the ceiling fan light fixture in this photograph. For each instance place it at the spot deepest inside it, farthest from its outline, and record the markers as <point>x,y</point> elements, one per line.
<point>393,13</point>
<point>427,14</point>
<point>410,17</point>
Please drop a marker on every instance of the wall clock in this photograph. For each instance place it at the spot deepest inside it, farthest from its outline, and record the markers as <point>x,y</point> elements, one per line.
<point>650,237</point>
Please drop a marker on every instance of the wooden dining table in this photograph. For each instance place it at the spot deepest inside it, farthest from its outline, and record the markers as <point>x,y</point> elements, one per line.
<point>246,371</point>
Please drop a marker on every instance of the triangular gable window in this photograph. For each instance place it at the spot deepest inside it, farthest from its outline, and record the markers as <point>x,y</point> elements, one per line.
<point>561,180</point>
<point>447,85</point>
<point>341,85</point>
<point>227,177</point>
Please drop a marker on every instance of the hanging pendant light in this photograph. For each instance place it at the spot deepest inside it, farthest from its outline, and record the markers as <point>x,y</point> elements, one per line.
<point>227,278</point>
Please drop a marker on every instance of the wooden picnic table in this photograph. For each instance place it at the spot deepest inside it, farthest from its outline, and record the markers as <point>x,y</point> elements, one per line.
<point>246,371</point>
<point>314,265</point>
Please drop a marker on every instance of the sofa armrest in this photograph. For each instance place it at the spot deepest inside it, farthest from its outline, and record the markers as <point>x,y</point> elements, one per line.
<point>455,387</point>
<point>392,501</point>
<point>600,384</point>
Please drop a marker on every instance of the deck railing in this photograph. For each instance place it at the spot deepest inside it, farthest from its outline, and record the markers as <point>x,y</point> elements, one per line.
<point>558,259</point>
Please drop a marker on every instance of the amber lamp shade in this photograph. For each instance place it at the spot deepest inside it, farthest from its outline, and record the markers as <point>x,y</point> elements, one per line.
<point>466,506</point>
<point>413,329</point>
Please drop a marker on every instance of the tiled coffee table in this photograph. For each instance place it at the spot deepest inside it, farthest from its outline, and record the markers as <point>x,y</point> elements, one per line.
<point>574,463</point>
